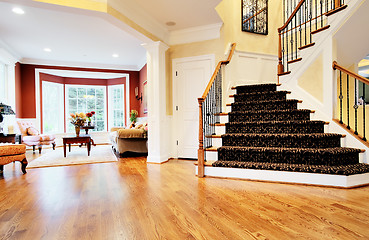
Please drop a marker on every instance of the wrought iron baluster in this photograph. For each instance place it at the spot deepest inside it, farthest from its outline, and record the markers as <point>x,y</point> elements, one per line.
<point>295,37</point>
<point>321,13</point>
<point>348,102</point>
<point>310,19</point>
<point>341,97</point>
<point>316,14</point>
<point>355,107</point>
<point>305,19</point>
<point>300,24</point>
<point>364,138</point>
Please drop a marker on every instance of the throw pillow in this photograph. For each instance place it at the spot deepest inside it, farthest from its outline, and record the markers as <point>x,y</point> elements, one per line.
<point>32,131</point>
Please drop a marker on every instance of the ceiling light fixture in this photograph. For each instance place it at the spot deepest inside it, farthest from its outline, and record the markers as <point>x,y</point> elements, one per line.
<point>47,49</point>
<point>170,24</point>
<point>18,10</point>
<point>115,55</point>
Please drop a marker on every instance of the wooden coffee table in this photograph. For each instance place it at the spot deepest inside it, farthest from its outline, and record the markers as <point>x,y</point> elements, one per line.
<point>73,139</point>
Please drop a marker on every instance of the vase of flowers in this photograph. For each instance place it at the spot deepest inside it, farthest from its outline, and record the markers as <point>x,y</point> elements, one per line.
<point>89,116</point>
<point>133,116</point>
<point>78,120</point>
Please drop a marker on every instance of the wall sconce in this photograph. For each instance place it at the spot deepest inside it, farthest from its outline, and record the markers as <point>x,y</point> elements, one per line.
<point>136,94</point>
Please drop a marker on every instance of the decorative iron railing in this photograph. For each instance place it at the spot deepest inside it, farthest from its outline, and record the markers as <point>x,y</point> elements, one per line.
<point>304,18</point>
<point>352,100</point>
<point>210,105</point>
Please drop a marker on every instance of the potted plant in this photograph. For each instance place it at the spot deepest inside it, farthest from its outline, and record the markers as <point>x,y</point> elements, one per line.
<point>133,116</point>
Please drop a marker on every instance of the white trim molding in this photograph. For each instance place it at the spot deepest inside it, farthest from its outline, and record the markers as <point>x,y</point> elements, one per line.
<point>195,34</point>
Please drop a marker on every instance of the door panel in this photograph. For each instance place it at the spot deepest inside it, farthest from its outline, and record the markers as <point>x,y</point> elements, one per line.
<point>192,78</point>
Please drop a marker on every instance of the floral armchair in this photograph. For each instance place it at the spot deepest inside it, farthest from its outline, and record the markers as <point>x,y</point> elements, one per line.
<point>32,137</point>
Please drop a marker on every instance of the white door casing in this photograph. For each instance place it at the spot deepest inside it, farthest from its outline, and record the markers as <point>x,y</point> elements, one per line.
<point>190,78</point>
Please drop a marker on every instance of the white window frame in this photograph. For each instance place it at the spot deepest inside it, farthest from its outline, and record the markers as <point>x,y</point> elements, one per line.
<point>67,86</point>
<point>60,105</point>
<point>110,100</point>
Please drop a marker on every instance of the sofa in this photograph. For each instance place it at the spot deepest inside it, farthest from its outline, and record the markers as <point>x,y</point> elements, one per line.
<point>128,140</point>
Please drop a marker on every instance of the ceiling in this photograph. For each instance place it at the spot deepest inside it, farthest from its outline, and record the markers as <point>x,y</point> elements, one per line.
<point>82,38</point>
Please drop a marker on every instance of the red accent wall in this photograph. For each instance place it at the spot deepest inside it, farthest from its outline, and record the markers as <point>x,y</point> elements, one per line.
<point>143,78</point>
<point>27,100</point>
<point>18,90</point>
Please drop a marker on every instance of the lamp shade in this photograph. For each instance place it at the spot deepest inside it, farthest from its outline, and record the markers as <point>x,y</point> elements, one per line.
<point>6,109</point>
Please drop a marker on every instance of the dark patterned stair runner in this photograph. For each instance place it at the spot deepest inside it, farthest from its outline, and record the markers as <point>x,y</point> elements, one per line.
<point>267,131</point>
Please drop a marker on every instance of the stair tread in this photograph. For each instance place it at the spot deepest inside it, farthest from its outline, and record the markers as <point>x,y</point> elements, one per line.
<point>285,134</point>
<point>280,122</point>
<point>259,93</point>
<point>280,149</point>
<point>271,101</point>
<point>347,170</point>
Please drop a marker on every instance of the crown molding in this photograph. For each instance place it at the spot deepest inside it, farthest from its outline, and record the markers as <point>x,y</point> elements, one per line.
<point>195,34</point>
<point>79,64</point>
<point>136,14</point>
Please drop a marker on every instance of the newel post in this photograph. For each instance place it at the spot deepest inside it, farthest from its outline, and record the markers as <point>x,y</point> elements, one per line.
<point>201,152</point>
<point>280,64</point>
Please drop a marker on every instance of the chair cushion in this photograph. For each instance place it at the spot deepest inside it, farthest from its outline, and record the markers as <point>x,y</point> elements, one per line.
<point>23,125</point>
<point>12,149</point>
<point>130,133</point>
<point>32,131</point>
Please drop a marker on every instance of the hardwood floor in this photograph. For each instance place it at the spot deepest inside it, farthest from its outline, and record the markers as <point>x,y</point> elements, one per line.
<point>134,200</point>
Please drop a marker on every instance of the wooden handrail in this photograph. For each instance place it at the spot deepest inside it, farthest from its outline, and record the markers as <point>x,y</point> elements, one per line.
<point>350,73</point>
<point>220,63</point>
<point>201,100</point>
<point>292,15</point>
<point>260,11</point>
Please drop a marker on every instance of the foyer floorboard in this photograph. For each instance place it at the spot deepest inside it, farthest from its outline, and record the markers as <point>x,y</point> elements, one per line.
<point>134,200</point>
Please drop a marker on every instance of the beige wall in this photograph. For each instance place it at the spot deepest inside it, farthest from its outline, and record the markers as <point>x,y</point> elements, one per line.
<point>312,79</point>
<point>230,12</point>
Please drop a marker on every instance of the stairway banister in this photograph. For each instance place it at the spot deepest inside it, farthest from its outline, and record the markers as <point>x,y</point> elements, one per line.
<point>350,73</point>
<point>201,100</point>
<point>291,17</point>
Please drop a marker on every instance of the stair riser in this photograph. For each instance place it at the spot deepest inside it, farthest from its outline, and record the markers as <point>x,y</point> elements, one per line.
<point>275,128</point>
<point>260,97</point>
<point>256,88</point>
<point>269,116</point>
<point>278,141</point>
<point>211,156</point>
<point>255,106</point>
<point>310,158</point>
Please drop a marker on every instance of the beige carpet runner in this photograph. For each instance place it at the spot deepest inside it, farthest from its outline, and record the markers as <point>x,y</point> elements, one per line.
<point>77,156</point>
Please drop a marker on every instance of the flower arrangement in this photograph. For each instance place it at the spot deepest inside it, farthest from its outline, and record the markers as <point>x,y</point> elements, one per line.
<point>78,119</point>
<point>89,115</point>
<point>145,129</point>
<point>133,116</point>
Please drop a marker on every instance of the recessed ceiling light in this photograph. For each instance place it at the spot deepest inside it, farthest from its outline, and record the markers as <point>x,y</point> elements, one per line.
<point>18,10</point>
<point>47,49</point>
<point>170,24</point>
<point>115,55</point>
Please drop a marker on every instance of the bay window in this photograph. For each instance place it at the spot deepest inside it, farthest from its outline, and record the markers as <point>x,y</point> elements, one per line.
<point>59,100</point>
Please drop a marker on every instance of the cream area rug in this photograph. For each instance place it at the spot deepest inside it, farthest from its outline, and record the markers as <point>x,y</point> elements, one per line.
<point>77,155</point>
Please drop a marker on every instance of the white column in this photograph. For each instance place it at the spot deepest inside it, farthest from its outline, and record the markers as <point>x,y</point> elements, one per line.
<point>159,129</point>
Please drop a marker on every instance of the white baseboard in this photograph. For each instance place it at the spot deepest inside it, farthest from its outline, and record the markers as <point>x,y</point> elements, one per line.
<point>318,179</point>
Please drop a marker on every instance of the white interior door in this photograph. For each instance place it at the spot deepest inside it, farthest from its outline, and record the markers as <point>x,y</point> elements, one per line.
<point>191,79</point>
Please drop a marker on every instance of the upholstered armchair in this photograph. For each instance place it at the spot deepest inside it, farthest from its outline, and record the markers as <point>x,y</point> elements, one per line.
<point>32,137</point>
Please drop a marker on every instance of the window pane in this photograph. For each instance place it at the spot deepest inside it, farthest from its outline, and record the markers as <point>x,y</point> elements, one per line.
<point>88,100</point>
<point>52,107</point>
<point>72,93</point>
